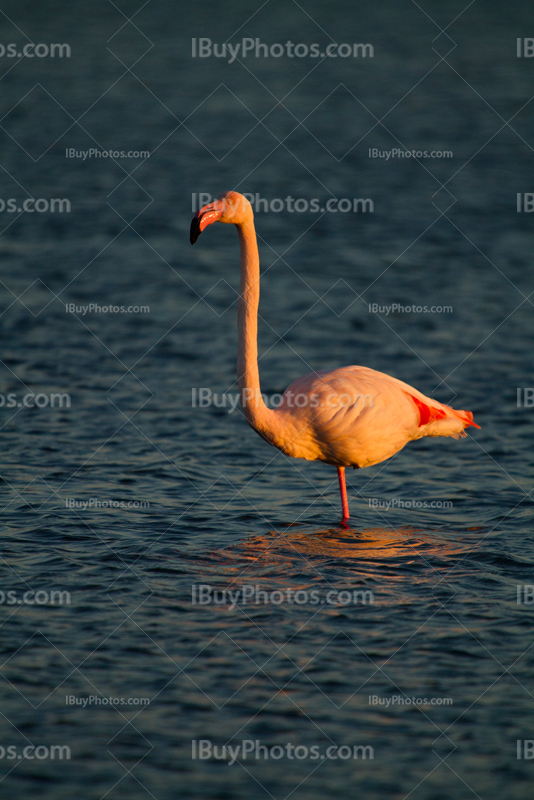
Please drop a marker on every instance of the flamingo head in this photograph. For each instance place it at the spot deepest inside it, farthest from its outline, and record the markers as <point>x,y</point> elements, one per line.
<point>230,207</point>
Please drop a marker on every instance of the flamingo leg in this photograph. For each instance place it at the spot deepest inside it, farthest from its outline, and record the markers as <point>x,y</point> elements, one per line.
<point>343,490</point>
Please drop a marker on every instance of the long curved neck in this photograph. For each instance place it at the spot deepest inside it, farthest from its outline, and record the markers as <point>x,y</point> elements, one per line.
<point>248,376</point>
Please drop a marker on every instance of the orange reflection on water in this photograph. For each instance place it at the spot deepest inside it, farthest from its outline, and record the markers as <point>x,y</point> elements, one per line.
<point>338,542</point>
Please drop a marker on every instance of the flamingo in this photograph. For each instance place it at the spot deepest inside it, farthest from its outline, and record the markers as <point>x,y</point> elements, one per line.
<point>345,417</point>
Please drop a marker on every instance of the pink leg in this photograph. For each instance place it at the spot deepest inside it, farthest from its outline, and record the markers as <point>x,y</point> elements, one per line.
<point>343,490</point>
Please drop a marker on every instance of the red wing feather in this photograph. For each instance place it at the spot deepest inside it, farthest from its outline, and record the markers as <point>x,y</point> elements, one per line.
<point>428,414</point>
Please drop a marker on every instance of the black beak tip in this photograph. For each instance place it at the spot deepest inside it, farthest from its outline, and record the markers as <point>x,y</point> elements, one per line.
<point>195,230</point>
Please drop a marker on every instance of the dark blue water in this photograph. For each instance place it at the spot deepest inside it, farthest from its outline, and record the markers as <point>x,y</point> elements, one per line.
<point>441,535</point>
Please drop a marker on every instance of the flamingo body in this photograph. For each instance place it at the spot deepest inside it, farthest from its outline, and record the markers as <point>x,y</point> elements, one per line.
<point>357,417</point>
<point>346,417</point>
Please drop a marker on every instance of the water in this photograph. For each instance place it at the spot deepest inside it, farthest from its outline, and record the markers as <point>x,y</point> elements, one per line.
<point>224,509</point>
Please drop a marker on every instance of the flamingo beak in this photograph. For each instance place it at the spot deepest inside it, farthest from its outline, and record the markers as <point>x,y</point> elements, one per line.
<point>204,217</point>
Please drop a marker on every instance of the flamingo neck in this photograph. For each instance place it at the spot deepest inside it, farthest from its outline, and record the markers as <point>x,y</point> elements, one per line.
<point>248,376</point>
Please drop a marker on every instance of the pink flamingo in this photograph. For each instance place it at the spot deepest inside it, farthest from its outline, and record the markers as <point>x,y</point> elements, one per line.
<point>346,417</point>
